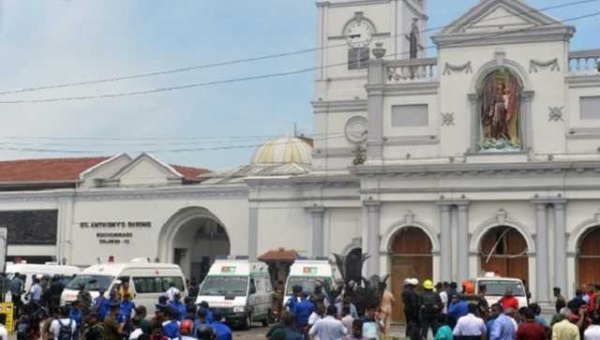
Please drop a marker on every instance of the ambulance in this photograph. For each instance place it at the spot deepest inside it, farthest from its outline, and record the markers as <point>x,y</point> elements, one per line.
<point>496,287</point>
<point>239,290</point>
<point>307,273</point>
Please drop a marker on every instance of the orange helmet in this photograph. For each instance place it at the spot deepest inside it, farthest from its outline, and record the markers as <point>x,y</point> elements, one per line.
<point>186,327</point>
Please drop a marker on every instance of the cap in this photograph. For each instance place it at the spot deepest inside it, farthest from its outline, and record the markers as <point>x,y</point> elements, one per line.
<point>186,327</point>
<point>428,284</point>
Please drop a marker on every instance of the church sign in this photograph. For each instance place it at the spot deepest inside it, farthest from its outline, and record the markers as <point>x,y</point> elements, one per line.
<point>119,231</point>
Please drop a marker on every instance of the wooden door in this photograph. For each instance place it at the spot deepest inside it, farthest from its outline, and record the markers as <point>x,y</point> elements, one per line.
<point>411,257</point>
<point>509,257</point>
<point>588,258</point>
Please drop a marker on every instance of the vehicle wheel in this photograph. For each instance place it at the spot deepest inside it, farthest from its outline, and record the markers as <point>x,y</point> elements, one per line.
<point>268,319</point>
<point>247,324</point>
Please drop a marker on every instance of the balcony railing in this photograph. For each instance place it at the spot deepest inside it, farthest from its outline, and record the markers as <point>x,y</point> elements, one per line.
<point>584,62</point>
<point>412,70</point>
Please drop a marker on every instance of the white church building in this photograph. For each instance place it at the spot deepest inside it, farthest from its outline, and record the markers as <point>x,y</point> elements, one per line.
<point>484,158</point>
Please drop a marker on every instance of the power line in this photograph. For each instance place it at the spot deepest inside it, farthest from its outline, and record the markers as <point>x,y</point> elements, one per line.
<point>253,59</point>
<point>257,77</point>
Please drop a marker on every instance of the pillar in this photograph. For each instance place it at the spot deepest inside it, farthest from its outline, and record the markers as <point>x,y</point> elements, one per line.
<point>253,234</point>
<point>317,215</point>
<point>446,243</point>
<point>373,217</point>
<point>462,238</point>
<point>376,79</point>
<point>560,246</point>
<point>542,255</point>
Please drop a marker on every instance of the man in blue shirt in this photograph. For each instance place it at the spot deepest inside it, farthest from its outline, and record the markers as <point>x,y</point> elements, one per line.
<point>503,327</point>
<point>302,311</point>
<point>76,315</point>
<point>209,313</point>
<point>178,305</point>
<point>171,327</point>
<point>458,308</point>
<point>36,291</point>
<point>101,305</point>
<point>222,331</point>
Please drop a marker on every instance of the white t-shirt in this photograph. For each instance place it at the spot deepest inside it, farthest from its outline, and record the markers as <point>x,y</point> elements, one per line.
<point>329,328</point>
<point>444,296</point>
<point>171,293</point>
<point>55,326</point>
<point>592,333</point>
<point>136,334</point>
<point>313,318</point>
<point>3,333</point>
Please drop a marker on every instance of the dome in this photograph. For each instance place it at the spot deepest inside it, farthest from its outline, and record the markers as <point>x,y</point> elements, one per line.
<point>283,151</point>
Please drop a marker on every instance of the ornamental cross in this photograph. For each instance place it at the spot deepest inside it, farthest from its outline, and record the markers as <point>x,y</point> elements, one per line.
<point>556,114</point>
<point>448,119</point>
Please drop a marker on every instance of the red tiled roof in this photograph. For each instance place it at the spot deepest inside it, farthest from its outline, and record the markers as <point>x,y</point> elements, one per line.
<point>279,255</point>
<point>189,173</point>
<point>46,170</point>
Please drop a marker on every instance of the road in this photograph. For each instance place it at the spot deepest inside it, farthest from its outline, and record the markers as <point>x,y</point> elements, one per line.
<point>256,332</point>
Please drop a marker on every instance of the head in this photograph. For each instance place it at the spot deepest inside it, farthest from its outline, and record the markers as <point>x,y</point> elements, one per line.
<point>500,87</point>
<point>125,285</point>
<point>201,313</point>
<point>36,280</point>
<point>82,287</point>
<point>345,311</point>
<point>289,320</point>
<point>529,314</point>
<point>204,304</point>
<point>579,292</point>
<point>320,309</point>
<point>76,305</point>
<point>186,327</point>
<point>205,332</point>
<point>332,311</point>
<point>496,310</point>
<point>596,319</point>
<point>127,297</point>
<point>473,308</point>
<point>371,312</point>
<point>482,289</point>
<point>177,297</point>
<point>162,300</point>
<point>556,291</point>
<point>535,308</point>
<point>453,285</point>
<point>171,285</point>
<point>136,321</point>
<point>218,316</point>
<point>115,308</point>
<point>565,312</point>
<point>591,288</point>
<point>93,318</point>
<point>439,287</point>
<point>64,312</point>
<point>157,331</point>
<point>428,285</point>
<point>508,292</point>
<point>510,312</point>
<point>357,328</point>
<point>318,288</point>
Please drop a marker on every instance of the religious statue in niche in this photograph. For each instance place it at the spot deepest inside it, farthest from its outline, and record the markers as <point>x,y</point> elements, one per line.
<point>500,95</point>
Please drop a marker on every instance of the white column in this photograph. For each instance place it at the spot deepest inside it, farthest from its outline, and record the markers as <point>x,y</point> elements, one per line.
<point>253,234</point>
<point>317,215</point>
<point>462,242</point>
<point>446,243</point>
<point>376,79</point>
<point>373,217</point>
<point>560,246</point>
<point>542,267</point>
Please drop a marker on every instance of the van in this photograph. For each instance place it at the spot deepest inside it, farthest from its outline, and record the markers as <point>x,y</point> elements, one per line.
<point>307,273</point>
<point>496,287</point>
<point>27,272</point>
<point>147,281</point>
<point>239,290</point>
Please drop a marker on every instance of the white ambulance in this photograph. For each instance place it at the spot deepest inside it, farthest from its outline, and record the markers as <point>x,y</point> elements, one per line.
<point>496,288</point>
<point>307,273</point>
<point>27,272</point>
<point>239,290</point>
<point>147,281</point>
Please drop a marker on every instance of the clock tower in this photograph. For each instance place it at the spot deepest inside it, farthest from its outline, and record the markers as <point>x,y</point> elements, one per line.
<point>348,30</point>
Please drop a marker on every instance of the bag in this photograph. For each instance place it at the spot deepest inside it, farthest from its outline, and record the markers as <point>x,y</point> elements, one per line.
<point>66,331</point>
<point>430,304</point>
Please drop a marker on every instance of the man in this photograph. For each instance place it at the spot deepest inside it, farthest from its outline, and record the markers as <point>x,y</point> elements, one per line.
<point>222,331</point>
<point>178,305</point>
<point>444,331</point>
<point>302,311</point>
<point>531,330</point>
<point>64,327</point>
<point>295,299</point>
<point>328,328</point>
<point>36,291</point>
<point>431,307</point>
<point>137,329</point>
<point>186,330</point>
<point>3,331</point>
<point>579,315</point>
<point>209,313</point>
<point>124,289</point>
<point>171,291</point>
<point>412,305</point>
<point>439,288</point>
<point>357,331</point>
<point>77,316</point>
<point>201,319</point>
<point>470,327</point>
<point>171,327</point>
<point>94,329</point>
<point>592,297</point>
<point>508,300</point>
<point>85,298</point>
<point>593,332</point>
<point>205,333</point>
<point>482,304</point>
<point>385,310</point>
<point>55,291</point>
<point>101,305</point>
<point>458,308</point>
<point>16,289</point>
<point>560,301</point>
<point>503,327</point>
<point>537,310</point>
<point>113,330</point>
<point>565,330</point>
<point>288,329</point>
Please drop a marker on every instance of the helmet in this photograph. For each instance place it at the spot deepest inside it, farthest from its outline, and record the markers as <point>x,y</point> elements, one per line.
<point>428,284</point>
<point>186,327</point>
<point>205,332</point>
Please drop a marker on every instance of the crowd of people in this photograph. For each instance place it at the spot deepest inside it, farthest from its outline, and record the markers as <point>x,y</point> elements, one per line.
<point>112,316</point>
<point>450,314</point>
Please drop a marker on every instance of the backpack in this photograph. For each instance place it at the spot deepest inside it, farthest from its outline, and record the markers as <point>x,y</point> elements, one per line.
<point>430,303</point>
<point>66,331</point>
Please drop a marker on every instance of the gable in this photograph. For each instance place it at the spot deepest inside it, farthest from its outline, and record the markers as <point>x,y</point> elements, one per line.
<point>146,170</point>
<point>103,170</point>
<point>498,18</point>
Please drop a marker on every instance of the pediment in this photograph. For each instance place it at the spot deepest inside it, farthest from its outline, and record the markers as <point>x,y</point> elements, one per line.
<point>146,169</point>
<point>496,15</point>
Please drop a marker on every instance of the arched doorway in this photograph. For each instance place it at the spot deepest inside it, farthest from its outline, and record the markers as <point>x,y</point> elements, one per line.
<point>193,238</point>
<point>354,265</point>
<point>503,250</point>
<point>588,257</point>
<point>411,257</point>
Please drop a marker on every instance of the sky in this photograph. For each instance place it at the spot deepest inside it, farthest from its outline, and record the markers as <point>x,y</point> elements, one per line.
<point>46,42</point>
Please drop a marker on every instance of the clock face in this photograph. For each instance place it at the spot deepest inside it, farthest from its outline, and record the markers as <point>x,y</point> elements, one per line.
<point>359,33</point>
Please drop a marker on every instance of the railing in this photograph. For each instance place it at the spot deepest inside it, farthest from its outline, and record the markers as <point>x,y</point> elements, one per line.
<point>584,62</point>
<point>412,70</point>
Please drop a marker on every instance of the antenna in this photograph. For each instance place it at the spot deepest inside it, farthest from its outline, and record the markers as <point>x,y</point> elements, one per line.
<point>295,130</point>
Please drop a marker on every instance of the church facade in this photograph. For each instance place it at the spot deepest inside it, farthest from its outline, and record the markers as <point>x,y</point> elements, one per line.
<point>485,158</point>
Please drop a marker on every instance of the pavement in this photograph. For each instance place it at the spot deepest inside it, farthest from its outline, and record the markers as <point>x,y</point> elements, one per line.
<point>258,332</point>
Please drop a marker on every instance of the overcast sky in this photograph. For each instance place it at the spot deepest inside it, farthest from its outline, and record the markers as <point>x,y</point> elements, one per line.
<point>44,42</point>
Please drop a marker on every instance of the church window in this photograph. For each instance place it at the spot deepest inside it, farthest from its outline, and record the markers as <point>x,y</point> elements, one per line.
<point>358,58</point>
<point>590,107</point>
<point>410,115</point>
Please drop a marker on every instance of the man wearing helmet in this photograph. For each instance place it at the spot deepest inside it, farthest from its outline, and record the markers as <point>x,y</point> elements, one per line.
<point>431,308</point>
<point>186,330</point>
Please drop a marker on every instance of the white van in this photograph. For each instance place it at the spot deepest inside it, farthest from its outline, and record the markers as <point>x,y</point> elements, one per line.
<point>239,290</point>
<point>147,281</point>
<point>307,273</point>
<point>27,272</point>
<point>496,287</point>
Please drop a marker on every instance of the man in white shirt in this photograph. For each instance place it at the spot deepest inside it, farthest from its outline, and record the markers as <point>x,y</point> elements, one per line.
<point>593,331</point>
<point>3,332</point>
<point>328,328</point>
<point>470,326</point>
<point>172,291</point>
<point>63,324</point>
<point>439,287</point>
